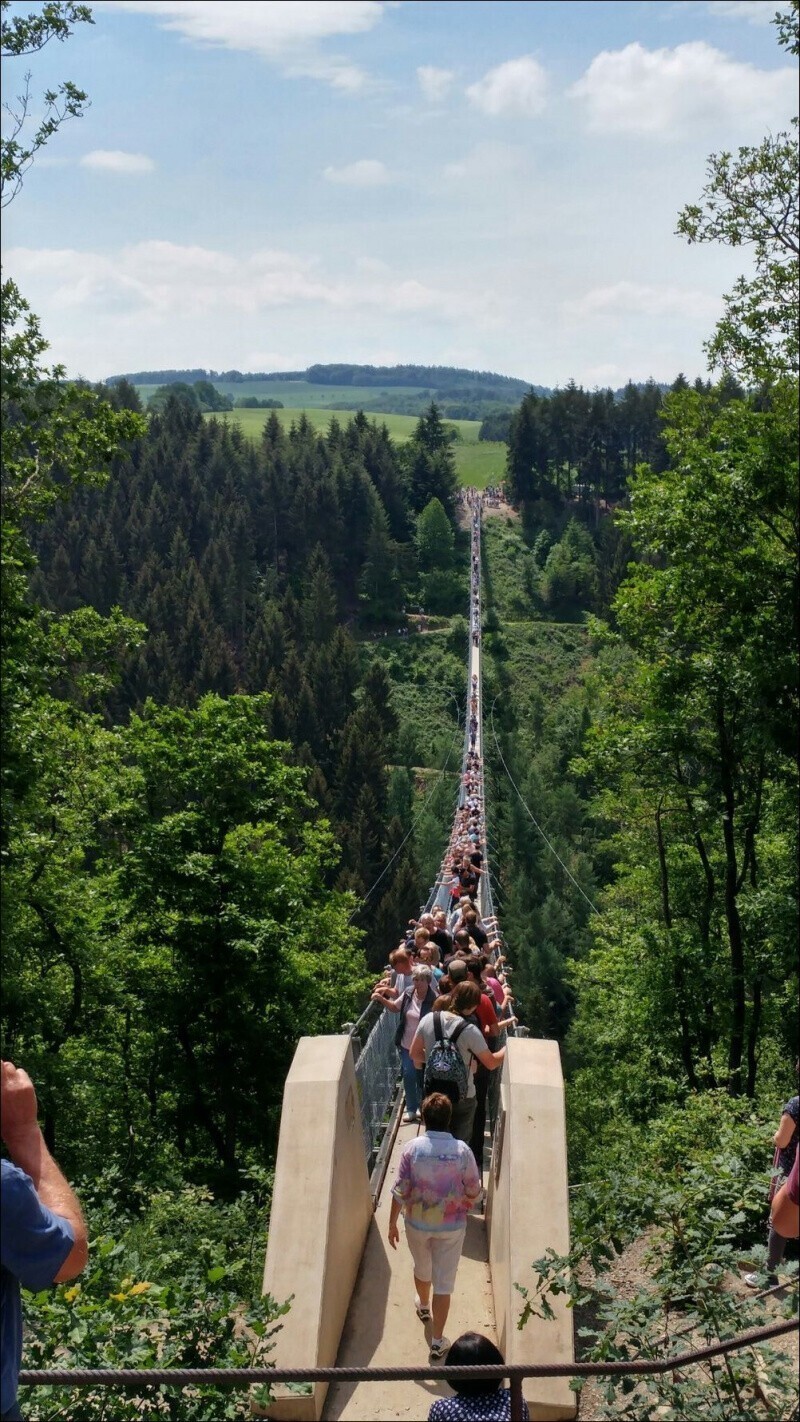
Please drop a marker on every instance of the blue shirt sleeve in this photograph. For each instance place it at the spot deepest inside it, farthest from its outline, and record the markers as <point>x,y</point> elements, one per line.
<point>34,1242</point>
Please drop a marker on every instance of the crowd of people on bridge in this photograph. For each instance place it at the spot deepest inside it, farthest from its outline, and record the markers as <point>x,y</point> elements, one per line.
<point>448,984</point>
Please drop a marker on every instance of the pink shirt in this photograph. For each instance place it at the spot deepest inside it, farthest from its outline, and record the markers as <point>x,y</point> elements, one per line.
<point>496,989</point>
<point>411,1022</point>
<point>437,1181</point>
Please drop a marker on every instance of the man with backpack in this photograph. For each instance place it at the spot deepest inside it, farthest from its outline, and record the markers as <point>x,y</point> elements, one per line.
<point>447,1045</point>
<point>437,1184</point>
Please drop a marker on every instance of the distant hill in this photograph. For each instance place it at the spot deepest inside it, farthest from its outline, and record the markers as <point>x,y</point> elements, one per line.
<point>452,379</point>
<point>376,389</point>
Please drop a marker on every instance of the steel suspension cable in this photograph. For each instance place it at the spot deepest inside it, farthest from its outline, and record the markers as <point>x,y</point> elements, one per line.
<point>527,810</point>
<point>413,826</point>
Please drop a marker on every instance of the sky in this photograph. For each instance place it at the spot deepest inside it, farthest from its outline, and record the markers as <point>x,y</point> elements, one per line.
<point>264,184</point>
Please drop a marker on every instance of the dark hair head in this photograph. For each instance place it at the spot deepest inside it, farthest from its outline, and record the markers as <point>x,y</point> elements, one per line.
<point>472,1350</point>
<point>436,1111</point>
<point>465,998</point>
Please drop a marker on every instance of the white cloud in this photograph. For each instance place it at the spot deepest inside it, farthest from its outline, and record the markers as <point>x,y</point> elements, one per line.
<point>434,83</point>
<point>112,160</point>
<point>165,280</point>
<point>364,173</point>
<point>628,298</point>
<point>269,27</point>
<point>667,92</point>
<point>279,31</point>
<point>518,87</point>
<point>756,12</point>
<point>485,162</point>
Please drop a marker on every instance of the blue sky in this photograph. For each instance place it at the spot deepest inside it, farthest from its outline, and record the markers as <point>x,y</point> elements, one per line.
<point>262,184</point>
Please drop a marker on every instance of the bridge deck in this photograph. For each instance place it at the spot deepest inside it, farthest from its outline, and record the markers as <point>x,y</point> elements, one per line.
<point>382,1328</point>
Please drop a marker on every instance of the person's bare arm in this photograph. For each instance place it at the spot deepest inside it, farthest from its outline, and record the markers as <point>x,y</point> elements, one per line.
<point>20,1131</point>
<point>492,1060</point>
<point>393,1003</point>
<point>385,992</point>
<point>785,1131</point>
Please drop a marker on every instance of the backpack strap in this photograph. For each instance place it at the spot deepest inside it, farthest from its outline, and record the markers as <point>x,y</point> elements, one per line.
<point>437,1026</point>
<point>457,1033</point>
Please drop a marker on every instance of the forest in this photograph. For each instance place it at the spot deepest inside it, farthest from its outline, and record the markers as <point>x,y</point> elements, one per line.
<point>221,717</point>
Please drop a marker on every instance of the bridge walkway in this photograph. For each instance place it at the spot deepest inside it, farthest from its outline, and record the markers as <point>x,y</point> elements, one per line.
<point>382,1328</point>
<point>352,1295</point>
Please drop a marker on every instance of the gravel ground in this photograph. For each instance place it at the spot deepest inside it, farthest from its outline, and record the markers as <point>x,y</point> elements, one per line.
<point>629,1275</point>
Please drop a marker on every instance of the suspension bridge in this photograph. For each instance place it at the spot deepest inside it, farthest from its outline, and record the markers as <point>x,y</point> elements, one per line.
<point>351,1345</point>
<point>340,1139</point>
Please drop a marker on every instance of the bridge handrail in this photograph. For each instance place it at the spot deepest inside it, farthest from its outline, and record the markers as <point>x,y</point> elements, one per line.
<point>516,1373</point>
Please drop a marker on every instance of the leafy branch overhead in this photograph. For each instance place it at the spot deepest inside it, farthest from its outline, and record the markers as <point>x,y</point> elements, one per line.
<point>752,200</point>
<point>20,37</point>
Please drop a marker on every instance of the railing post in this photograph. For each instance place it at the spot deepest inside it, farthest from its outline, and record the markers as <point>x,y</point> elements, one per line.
<point>516,1399</point>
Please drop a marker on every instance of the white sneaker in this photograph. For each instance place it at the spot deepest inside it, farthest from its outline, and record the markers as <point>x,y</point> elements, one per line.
<point>409,1117</point>
<point>760,1281</point>
<point>439,1350</point>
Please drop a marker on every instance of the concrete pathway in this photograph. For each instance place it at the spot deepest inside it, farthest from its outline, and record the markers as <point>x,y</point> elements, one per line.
<point>382,1328</point>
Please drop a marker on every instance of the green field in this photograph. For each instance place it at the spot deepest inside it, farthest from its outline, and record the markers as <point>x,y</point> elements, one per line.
<point>300,395</point>
<point>478,463</point>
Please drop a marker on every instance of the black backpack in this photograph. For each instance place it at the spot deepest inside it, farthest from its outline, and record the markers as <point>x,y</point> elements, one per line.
<point>445,1070</point>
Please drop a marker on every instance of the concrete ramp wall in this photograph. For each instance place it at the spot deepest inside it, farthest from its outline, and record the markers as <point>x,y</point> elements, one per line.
<point>321,1212</point>
<point>527,1213</point>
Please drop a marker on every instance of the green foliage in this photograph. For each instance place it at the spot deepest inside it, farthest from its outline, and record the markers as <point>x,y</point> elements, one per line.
<point>173,1281</point>
<point>575,442</point>
<point>440,584</point>
<point>751,200</point>
<point>533,675</point>
<point>694,1180</point>
<point>430,467</point>
<point>694,738</point>
<point>569,577</point>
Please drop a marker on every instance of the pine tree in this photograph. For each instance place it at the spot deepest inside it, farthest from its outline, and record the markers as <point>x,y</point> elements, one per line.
<point>319,602</point>
<point>430,464</point>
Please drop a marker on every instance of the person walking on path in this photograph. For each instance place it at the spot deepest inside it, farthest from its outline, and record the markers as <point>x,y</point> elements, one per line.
<point>44,1237</point>
<point>437,1184</point>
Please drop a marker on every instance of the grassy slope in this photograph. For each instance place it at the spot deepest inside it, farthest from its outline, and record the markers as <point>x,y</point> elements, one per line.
<point>299,393</point>
<point>537,660</point>
<point>478,463</point>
